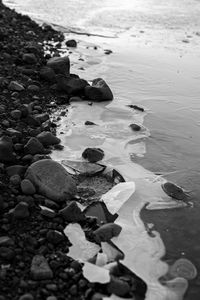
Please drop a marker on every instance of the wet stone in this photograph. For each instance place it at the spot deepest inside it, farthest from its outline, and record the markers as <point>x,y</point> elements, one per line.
<point>71,43</point>
<point>93,154</point>
<point>40,269</point>
<point>118,287</point>
<point>107,231</point>
<point>135,127</point>
<point>29,58</point>
<point>34,146</point>
<point>72,213</point>
<point>47,138</point>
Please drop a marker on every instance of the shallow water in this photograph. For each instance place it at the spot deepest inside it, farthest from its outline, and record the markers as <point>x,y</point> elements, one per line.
<point>155,64</point>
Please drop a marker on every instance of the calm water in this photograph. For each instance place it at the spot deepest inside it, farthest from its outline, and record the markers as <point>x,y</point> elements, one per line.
<point>155,64</point>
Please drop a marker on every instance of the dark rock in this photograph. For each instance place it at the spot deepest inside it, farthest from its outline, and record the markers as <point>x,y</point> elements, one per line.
<point>99,91</point>
<point>118,287</point>
<point>6,150</point>
<point>15,170</point>
<point>55,237</point>
<point>136,107</point>
<point>42,117</point>
<point>29,58</point>
<point>7,253</point>
<point>27,187</point>
<point>32,121</point>
<point>48,74</point>
<point>70,85</point>
<point>26,297</point>
<point>60,65</point>
<point>47,138</point>
<point>21,211</point>
<point>33,88</point>
<point>72,213</point>
<point>93,154</point>
<point>14,133</point>
<point>15,86</point>
<point>98,296</point>
<point>107,231</point>
<point>40,269</point>
<point>135,127</point>
<point>174,191</point>
<point>51,180</point>
<point>89,123</point>
<point>16,114</point>
<point>34,146</point>
<point>71,43</point>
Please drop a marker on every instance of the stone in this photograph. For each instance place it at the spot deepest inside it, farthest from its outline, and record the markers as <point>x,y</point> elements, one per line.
<point>16,114</point>
<point>51,298</point>
<point>26,297</point>
<point>107,231</point>
<point>48,74</point>
<point>93,154</point>
<point>32,121</point>
<point>118,287</point>
<point>51,180</point>
<point>6,150</point>
<point>42,117</point>
<point>33,88</point>
<point>60,65</point>
<point>99,91</point>
<point>70,85</point>
<point>16,86</point>
<point>135,127</point>
<point>47,212</point>
<point>54,237</point>
<point>15,180</point>
<point>88,123</point>
<point>40,269</point>
<point>47,138</point>
<point>98,296</point>
<point>6,241</point>
<point>27,187</point>
<point>174,191</point>
<point>71,43</point>
<point>21,211</point>
<point>29,58</point>
<point>34,146</point>
<point>72,213</point>
<point>7,253</point>
<point>15,170</point>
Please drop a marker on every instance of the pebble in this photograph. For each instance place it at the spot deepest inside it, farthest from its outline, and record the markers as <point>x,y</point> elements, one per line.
<point>26,297</point>
<point>47,138</point>
<point>15,180</point>
<point>54,237</point>
<point>93,154</point>
<point>51,298</point>
<point>33,88</point>
<point>89,123</point>
<point>40,269</point>
<point>6,241</point>
<point>21,211</point>
<point>15,86</point>
<point>47,212</point>
<point>6,150</point>
<point>27,187</point>
<point>72,213</point>
<point>7,253</point>
<point>71,43</point>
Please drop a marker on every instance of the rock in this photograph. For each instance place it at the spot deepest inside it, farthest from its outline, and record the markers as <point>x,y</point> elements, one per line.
<point>48,74</point>
<point>6,241</point>
<point>55,237</point>
<point>51,180</point>
<point>40,269</point>
<point>70,85</point>
<point>60,65</point>
<point>26,297</point>
<point>47,212</point>
<point>15,180</point>
<point>42,117</point>
<point>14,133</point>
<point>33,88</point>
<point>89,123</point>
<point>174,191</point>
<point>21,211</point>
<point>16,114</point>
<point>107,231</point>
<point>93,154</point>
<point>118,287</point>
<point>52,298</point>
<point>7,253</point>
<point>72,213</point>
<point>71,43</point>
<point>6,150</point>
<point>135,127</point>
<point>98,296</point>
<point>27,187</point>
<point>136,107</point>
<point>29,58</point>
<point>34,146</point>
<point>15,86</point>
<point>75,99</point>
<point>99,91</point>
<point>47,138</point>
<point>15,170</point>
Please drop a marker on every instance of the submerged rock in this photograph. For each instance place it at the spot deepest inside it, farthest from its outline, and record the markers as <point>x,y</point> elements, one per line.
<point>71,43</point>
<point>118,287</point>
<point>183,268</point>
<point>72,213</point>
<point>135,127</point>
<point>60,65</point>
<point>99,91</point>
<point>51,180</point>
<point>174,191</point>
<point>93,154</point>
<point>107,231</point>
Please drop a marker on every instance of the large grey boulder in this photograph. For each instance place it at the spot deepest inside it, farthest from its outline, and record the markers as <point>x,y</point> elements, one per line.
<point>99,91</point>
<point>60,65</point>
<point>51,180</point>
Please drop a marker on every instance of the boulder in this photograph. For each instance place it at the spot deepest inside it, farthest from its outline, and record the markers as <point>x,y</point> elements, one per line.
<point>47,138</point>
<point>93,154</point>
<point>135,127</point>
<point>48,74</point>
<point>60,65</point>
<point>21,211</point>
<point>42,117</point>
<point>70,85</point>
<point>99,91</point>
<point>118,287</point>
<point>40,269</point>
<point>51,180</point>
<point>34,146</point>
<point>6,150</point>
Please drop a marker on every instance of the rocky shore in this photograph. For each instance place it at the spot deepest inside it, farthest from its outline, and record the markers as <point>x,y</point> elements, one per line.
<point>39,198</point>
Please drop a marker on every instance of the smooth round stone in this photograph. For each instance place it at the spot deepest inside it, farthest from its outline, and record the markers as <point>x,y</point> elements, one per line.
<point>183,268</point>
<point>26,297</point>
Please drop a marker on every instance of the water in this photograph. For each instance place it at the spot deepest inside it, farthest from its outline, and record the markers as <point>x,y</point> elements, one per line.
<point>155,64</point>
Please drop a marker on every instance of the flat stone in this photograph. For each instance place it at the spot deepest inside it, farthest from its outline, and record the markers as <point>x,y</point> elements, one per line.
<point>47,138</point>
<point>15,86</point>
<point>34,146</point>
<point>51,180</point>
<point>99,91</point>
<point>27,187</point>
<point>47,212</point>
<point>107,231</point>
<point>60,65</point>
<point>72,213</point>
<point>40,269</point>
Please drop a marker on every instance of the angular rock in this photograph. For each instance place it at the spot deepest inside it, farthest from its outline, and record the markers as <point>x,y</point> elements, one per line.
<point>71,43</point>
<point>47,212</point>
<point>51,180</point>
<point>40,269</point>
<point>26,297</point>
<point>72,213</point>
<point>27,187</point>
<point>6,150</point>
<point>93,154</point>
<point>60,65</point>
<point>32,121</point>
<point>107,231</point>
<point>99,91</point>
<point>14,133</point>
<point>16,86</point>
<point>21,211</point>
<point>70,85</point>
<point>47,138</point>
<point>29,58</point>
<point>48,74</point>
<point>34,146</point>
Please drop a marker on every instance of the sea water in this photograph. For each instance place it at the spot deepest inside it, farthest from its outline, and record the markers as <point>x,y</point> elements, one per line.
<point>154,64</point>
